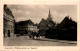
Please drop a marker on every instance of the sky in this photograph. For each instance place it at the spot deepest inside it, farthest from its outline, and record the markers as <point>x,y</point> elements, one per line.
<point>37,12</point>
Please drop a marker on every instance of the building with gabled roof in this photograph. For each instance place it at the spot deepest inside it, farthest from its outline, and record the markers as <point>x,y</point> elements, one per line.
<point>46,24</point>
<point>8,19</point>
<point>23,27</point>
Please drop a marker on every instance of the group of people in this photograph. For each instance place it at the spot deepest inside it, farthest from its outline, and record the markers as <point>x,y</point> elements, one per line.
<point>34,35</point>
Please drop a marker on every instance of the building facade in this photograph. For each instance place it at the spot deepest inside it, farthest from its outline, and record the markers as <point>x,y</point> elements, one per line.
<point>23,27</point>
<point>8,25</point>
<point>33,28</point>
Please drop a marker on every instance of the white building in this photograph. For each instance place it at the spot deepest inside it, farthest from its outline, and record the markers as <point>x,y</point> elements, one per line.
<point>33,28</point>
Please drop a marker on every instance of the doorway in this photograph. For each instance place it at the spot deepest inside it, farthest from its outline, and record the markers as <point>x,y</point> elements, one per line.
<point>8,33</point>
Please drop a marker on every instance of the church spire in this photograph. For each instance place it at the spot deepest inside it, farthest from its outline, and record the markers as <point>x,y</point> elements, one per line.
<point>49,11</point>
<point>49,16</point>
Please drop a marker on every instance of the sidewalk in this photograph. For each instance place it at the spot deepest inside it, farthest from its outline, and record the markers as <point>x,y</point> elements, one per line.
<point>62,41</point>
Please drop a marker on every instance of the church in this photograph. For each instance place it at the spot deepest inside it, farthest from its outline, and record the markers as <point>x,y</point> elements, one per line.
<point>50,22</point>
<point>46,24</point>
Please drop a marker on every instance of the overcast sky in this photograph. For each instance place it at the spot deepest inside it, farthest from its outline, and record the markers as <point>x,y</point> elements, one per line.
<point>37,12</point>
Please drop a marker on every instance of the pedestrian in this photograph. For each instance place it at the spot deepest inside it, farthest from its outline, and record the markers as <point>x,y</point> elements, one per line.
<point>33,35</point>
<point>29,35</point>
<point>37,36</point>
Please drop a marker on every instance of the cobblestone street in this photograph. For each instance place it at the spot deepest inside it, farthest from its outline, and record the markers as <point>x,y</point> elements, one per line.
<point>26,41</point>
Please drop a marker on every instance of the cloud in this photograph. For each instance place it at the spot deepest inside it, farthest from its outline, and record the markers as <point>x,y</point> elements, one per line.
<point>18,13</point>
<point>37,12</point>
<point>32,6</point>
<point>20,19</point>
<point>42,7</point>
<point>27,12</point>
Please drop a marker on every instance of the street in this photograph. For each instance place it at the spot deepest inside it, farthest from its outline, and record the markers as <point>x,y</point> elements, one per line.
<point>26,41</point>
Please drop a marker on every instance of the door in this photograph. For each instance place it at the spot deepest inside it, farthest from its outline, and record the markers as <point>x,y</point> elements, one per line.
<point>8,33</point>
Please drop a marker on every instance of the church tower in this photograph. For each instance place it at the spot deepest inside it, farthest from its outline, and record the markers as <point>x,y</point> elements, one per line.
<point>50,22</point>
<point>49,16</point>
